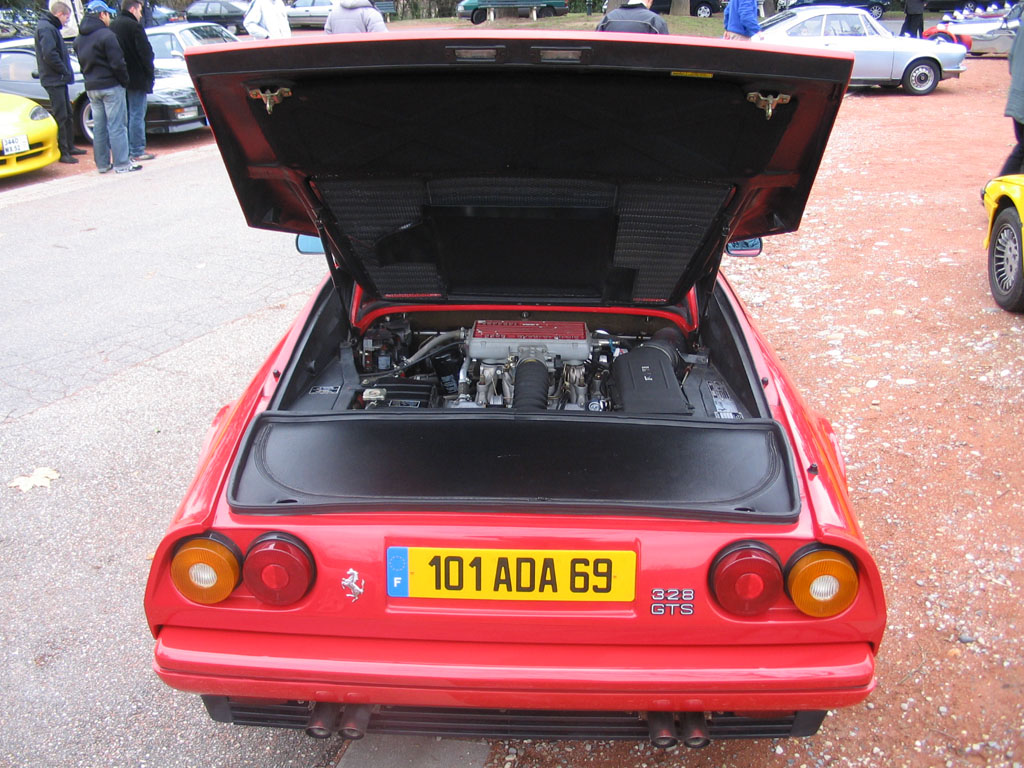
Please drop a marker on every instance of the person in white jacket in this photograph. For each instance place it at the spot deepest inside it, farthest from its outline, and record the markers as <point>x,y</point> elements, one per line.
<point>354,16</point>
<point>266,19</point>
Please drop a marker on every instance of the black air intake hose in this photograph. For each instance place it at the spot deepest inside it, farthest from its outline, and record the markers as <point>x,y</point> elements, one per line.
<point>531,386</point>
<point>671,342</point>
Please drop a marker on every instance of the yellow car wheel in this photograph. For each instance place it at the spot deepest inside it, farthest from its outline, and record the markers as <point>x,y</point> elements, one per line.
<point>1005,269</point>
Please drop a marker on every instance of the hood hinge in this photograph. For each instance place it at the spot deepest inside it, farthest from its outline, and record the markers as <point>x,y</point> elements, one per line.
<point>270,98</point>
<point>767,103</point>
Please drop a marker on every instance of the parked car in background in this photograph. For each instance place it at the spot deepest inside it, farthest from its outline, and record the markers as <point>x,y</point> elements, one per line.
<point>28,136</point>
<point>523,466</point>
<point>309,13</point>
<point>702,8</point>
<point>172,40</point>
<point>227,13</point>
<point>981,33</point>
<point>163,15</point>
<point>172,107</point>
<point>875,7</point>
<point>964,6</point>
<point>881,58</point>
<point>1004,203</point>
<point>470,9</point>
<point>17,23</point>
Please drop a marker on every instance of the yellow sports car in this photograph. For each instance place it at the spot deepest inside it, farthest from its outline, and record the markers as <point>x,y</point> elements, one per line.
<point>1004,200</point>
<point>29,136</point>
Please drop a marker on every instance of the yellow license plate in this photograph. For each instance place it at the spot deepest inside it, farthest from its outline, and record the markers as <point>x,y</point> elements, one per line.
<point>512,574</point>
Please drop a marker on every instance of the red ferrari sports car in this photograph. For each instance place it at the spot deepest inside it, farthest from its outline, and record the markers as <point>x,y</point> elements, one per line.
<point>523,467</point>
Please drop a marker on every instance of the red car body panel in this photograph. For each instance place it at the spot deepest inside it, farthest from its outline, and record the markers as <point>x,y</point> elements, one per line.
<point>673,647</point>
<point>237,649</point>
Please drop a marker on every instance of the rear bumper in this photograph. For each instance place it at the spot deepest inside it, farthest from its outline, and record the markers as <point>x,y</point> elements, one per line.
<point>409,673</point>
<point>514,724</point>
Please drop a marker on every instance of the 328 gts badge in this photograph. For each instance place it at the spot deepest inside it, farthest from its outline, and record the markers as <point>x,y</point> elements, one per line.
<point>671,602</point>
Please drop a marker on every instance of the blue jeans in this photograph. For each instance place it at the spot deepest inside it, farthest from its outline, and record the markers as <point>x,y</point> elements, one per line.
<point>136,122</point>
<point>110,127</point>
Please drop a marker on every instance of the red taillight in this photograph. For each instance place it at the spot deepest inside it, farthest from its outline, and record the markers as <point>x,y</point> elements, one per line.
<point>278,569</point>
<point>746,578</point>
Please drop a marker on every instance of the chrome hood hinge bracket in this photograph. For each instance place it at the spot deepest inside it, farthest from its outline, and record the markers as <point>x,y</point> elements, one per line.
<point>767,103</point>
<point>270,98</point>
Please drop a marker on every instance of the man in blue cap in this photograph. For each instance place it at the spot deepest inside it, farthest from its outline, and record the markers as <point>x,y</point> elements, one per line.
<point>106,78</point>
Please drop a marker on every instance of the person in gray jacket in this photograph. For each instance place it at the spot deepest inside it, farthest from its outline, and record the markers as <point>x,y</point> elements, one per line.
<point>1015,106</point>
<point>634,16</point>
<point>354,16</point>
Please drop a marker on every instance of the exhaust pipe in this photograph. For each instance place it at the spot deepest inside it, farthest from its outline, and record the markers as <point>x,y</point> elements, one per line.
<point>662,729</point>
<point>323,720</point>
<point>355,720</point>
<point>694,729</point>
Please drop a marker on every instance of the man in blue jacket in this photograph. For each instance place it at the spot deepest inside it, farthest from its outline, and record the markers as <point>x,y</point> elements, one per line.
<point>740,20</point>
<point>106,78</point>
<point>55,75</point>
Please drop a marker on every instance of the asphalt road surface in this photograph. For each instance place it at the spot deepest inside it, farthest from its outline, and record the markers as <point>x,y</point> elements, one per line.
<point>131,309</point>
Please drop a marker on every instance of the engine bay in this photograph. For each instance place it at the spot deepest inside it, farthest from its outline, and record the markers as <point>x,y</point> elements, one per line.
<point>522,364</point>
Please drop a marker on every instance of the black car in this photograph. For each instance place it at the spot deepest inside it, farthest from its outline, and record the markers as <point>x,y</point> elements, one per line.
<point>701,8</point>
<point>227,13</point>
<point>967,6</point>
<point>875,7</point>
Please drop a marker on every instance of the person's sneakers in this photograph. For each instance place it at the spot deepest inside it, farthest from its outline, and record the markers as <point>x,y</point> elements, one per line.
<point>67,159</point>
<point>77,151</point>
<point>129,168</point>
<point>104,170</point>
<point>144,156</point>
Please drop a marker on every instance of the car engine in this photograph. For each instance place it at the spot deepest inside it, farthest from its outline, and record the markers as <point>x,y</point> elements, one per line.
<point>535,365</point>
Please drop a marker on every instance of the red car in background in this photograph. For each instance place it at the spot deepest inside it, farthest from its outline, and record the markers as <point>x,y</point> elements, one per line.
<point>523,467</point>
<point>983,32</point>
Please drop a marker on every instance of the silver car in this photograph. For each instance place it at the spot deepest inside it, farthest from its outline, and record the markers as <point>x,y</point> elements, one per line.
<point>309,13</point>
<point>170,41</point>
<point>880,58</point>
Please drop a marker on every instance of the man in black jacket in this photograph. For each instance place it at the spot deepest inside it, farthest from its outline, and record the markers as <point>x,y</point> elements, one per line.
<point>138,56</point>
<point>106,77</point>
<point>913,24</point>
<point>55,75</point>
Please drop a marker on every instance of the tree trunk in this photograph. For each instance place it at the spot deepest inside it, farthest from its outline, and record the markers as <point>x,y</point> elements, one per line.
<point>771,7</point>
<point>680,8</point>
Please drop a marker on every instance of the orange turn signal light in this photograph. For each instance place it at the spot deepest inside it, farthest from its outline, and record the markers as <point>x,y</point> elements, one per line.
<point>205,569</point>
<point>822,582</point>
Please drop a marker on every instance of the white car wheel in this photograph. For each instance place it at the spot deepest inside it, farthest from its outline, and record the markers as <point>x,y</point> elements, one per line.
<point>84,120</point>
<point>921,77</point>
<point>1005,268</point>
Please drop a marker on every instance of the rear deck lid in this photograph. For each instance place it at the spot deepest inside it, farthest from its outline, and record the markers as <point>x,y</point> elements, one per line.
<point>559,167</point>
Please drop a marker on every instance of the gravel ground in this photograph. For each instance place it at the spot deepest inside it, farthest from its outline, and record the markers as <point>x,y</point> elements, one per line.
<point>879,307</point>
